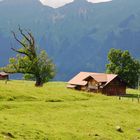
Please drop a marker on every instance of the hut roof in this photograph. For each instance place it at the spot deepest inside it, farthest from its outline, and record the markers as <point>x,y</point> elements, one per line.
<point>3,74</point>
<point>80,79</point>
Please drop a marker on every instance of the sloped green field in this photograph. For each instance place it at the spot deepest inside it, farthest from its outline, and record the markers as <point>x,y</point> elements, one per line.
<point>56,113</point>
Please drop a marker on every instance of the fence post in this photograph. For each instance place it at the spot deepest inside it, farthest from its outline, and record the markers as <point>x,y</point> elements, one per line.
<point>119,97</point>
<point>138,88</point>
<point>138,98</point>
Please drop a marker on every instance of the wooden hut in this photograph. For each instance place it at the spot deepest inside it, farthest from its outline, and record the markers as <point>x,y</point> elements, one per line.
<point>109,84</point>
<point>4,76</point>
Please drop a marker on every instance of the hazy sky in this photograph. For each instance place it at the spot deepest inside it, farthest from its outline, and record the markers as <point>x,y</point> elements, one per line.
<point>59,3</point>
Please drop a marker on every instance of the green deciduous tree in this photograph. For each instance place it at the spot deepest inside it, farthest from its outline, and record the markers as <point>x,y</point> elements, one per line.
<point>123,64</point>
<point>29,61</point>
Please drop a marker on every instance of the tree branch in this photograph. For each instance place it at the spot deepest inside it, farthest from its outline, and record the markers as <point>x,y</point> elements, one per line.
<point>21,52</point>
<point>21,32</point>
<point>18,40</point>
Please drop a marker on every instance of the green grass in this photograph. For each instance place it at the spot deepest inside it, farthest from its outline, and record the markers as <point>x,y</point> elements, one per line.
<point>56,113</point>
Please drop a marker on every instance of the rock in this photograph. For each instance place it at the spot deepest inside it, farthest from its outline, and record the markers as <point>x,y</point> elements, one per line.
<point>96,135</point>
<point>8,134</point>
<point>119,129</point>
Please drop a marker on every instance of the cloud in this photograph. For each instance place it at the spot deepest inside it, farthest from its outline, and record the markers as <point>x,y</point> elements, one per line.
<point>60,3</point>
<point>98,1</point>
<point>55,3</point>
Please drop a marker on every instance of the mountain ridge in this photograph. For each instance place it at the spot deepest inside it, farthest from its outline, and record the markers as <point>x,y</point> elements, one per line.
<point>76,36</point>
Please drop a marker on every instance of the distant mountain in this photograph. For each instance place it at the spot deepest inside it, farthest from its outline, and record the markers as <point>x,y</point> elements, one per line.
<point>78,35</point>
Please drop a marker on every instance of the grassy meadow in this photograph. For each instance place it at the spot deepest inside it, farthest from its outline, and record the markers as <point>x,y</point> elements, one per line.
<point>54,112</point>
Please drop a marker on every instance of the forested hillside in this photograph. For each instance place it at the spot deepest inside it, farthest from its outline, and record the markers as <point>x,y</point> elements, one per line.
<point>77,36</point>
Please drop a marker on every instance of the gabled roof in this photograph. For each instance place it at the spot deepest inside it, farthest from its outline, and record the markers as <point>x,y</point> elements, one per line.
<point>3,73</point>
<point>80,79</point>
<point>98,77</point>
<point>110,77</point>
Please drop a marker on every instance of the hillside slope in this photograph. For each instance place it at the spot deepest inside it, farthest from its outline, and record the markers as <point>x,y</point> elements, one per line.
<point>54,112</point>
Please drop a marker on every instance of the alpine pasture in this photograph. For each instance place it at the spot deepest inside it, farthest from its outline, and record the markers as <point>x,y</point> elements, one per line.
<point>54,112</point>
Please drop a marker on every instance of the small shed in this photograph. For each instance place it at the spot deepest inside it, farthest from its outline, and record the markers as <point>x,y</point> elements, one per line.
<point>4,76</point>
<point>109,84</point>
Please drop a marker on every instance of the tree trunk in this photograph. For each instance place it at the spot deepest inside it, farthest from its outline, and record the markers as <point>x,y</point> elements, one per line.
<point>39,82</point>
